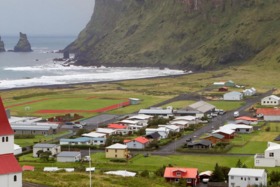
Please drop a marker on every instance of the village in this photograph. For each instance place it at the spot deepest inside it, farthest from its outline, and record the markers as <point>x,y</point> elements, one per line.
<point>199,128</point>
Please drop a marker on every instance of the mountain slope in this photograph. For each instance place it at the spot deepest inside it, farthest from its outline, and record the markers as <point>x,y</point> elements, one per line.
<point>180,33</point>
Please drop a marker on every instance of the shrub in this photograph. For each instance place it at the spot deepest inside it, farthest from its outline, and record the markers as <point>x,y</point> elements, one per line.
<point>145,173</point>
<point>24,136</point>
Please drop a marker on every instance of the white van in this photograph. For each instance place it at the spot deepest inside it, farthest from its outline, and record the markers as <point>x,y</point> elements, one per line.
<point>236,114</point>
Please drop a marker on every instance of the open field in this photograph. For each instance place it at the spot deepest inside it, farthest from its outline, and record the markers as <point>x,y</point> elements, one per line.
<point>255,142</point>
<point>38,138</point>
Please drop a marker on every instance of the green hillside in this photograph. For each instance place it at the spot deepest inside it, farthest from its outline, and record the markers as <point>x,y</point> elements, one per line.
<point>198,34</point>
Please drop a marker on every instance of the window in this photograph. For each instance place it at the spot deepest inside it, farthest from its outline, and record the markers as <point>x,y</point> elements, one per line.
<point>257,161</point>
<point>116,156</point>
<point>107,150</point>
<point>116,150</point>
<point>271,154</point>
<point>134,145</point>
<point>189,180</point>
<point>177,180</point>
<point>178,173</point>
<point>256,178</point>
<point>242,178</point>
<point>7,138</point>
<point>3,139</point>
<point>15,178</point>
<point>232,177</point>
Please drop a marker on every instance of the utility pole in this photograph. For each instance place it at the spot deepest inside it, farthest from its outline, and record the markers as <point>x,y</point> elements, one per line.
<point>89,167</point>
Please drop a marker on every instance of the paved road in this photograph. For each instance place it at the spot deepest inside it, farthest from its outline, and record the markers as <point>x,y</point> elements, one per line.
<point>28,184</point>
<point>214,124</point>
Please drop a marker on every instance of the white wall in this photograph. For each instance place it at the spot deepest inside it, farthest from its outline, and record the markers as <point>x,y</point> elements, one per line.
<point>8,180</point>
<point>135,145</point>
<point>68,159</point>
<point>243,181</point>
<point>271,118</point>
<point>232,97</point>
<point>269,101</point>
<point>7,146</point>
<point>54,150</point>
<point>264,162</point>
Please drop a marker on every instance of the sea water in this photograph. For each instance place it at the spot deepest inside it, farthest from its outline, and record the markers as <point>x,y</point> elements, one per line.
<point>37,68</point>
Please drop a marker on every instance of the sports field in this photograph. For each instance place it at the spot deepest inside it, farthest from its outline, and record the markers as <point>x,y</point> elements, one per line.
<point>63,104</point>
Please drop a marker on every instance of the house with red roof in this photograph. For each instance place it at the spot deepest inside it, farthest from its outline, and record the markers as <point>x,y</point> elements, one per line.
<point>269,114</point>
<point>247,118</point>
<point>119,128</point>
<point>189,175</point>
<point>137,143</point>
<point>10,170</point>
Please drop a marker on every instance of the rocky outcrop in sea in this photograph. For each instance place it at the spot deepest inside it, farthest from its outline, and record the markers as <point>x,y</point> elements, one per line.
<point>2,46</point>
<point>23,44</point>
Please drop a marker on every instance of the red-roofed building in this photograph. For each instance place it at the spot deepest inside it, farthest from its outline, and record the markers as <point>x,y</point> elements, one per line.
<point>138,143</point>
<point>223,89</point>
<point>269,114</point>
<point>120,129</point>
<point>189,175</point>
<point>28,168</point>
<point>10,170</point>
<point>247,118</point>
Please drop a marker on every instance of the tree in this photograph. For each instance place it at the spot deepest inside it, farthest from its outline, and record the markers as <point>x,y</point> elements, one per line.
<point>217,175</point>
<point>160,171</point>
<point>238,164</point>
<point>39,153</point>
<point>45,156</point>
<point>145,173</point>
<point>274,177</point>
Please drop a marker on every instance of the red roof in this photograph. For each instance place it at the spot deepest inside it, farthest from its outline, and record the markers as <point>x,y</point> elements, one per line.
<point>5,127</point>
<point>142,140</point>
<point>116,126</point>
<point>126,141</point>
<point>246,118</point>
<point>9,164</point>
<point>269,111</point>
<point>28,168</point>
<point>139,139</point>
<point>172,172</point>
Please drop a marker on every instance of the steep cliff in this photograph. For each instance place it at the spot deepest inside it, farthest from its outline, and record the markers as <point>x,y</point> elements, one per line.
<point>182,33</point>
<point>23,44</point>
<point>2,46</point>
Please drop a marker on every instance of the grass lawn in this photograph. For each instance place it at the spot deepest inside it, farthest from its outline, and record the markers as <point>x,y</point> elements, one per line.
<point>256,141</point>
<point>227,105</point>
<point>38,138</point>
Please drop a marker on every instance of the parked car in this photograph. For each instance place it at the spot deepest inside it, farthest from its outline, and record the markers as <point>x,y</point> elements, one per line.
<point>236,114</point>
<point>78,126</point>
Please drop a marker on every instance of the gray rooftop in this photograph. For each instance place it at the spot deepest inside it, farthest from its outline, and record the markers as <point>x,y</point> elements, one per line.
<point>44,145</point>
<point>68,154</point>
<point>156,111</point>
<point>202,106</point>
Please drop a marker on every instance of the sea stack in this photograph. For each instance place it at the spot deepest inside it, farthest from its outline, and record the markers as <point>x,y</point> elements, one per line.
<point>23,44</point>
<point>2,46</point>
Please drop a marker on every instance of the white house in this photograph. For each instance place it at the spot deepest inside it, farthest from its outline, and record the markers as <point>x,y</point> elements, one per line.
<point>244,177</point>
<point>69,156</point>
<point>157,111</point>
<point>171,128</point>
<point>271,100</point>
<point>269,114</point>
<point>137,143</point>
<point>238,128</point>
<point>270,158</point>
<point>10,172</point>
<point>96,138</point>
<point>163,132</point>
<point>53,148</point>
<point>233,96</point>
<point>106,131</point>
<point>249,92</point>
<point>76,141</point>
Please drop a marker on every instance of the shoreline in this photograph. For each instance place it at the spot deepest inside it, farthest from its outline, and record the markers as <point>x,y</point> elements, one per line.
<point>62,86</point>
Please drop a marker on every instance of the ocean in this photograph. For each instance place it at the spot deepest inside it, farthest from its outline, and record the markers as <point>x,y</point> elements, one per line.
<point>37,68</point>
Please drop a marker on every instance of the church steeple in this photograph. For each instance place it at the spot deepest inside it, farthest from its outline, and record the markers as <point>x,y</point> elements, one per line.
<point>6,132</point>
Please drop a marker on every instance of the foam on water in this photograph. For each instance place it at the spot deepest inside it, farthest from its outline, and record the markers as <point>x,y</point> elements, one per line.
<point>78,74</point>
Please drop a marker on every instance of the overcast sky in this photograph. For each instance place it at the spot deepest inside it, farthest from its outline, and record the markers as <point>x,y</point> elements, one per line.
<point>44,17</point>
